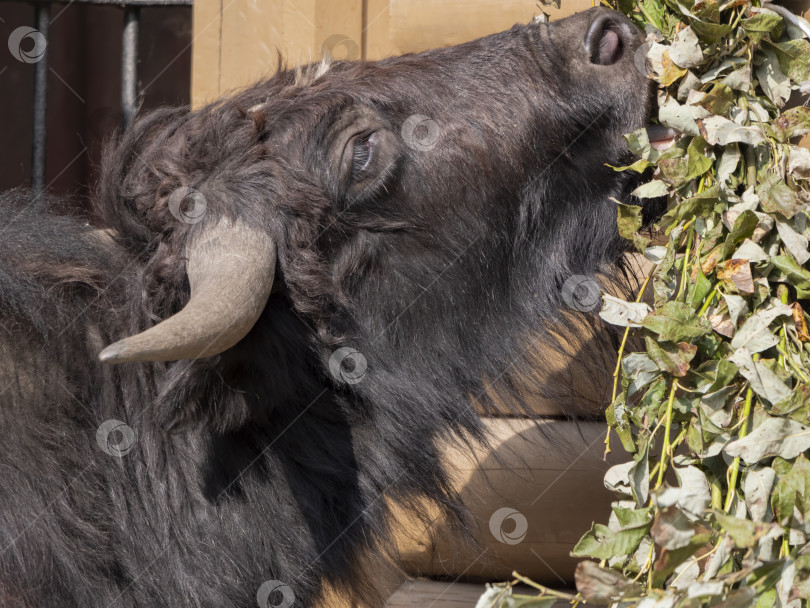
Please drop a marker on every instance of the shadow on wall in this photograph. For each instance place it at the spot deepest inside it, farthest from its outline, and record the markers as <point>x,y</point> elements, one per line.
<point>531,498</point>
<point>84,86</point>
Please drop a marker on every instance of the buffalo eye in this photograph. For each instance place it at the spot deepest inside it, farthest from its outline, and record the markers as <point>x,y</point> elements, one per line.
<point>366,163</point>
<point>362,156</point>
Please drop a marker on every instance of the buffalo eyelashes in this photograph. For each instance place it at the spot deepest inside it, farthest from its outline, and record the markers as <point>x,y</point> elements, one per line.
<point>361,154</point>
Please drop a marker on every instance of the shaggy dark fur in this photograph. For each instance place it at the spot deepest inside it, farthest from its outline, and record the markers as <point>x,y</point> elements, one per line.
<point>441,266</point>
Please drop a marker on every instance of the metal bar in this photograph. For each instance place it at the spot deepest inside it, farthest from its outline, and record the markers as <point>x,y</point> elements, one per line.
<point>129,65</point>
<point>42,15</point>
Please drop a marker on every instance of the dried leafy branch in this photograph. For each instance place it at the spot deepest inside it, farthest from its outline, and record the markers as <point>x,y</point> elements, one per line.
<point>715,406</point>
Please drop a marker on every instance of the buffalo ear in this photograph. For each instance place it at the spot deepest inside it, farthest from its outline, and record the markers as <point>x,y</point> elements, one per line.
<point>230,268</point>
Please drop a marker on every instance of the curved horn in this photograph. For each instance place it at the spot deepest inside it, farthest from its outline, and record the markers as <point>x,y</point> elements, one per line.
<point>230,270</point>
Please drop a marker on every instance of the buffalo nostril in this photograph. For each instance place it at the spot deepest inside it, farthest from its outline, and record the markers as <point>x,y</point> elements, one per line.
<point>603,42</point>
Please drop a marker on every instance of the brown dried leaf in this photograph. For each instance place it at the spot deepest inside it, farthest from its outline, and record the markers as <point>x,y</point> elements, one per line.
<point>721,323</point>
<point>672,530</point>
<point>801,322</point>
<point>601,586</point>
<point>737,274</point>
<point>711,261</point>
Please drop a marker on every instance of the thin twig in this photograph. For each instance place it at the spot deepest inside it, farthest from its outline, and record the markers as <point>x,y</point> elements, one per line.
<point>621,354</point>
<point>734,470</point>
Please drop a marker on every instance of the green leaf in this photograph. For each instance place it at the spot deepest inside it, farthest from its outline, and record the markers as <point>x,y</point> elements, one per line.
<point>728,162</point>
<point>794,242</point>
<point>796,275</point>
<point>669,560</point>
<point>766,576</point>
<point>616,417</point>
<point>698,205</point>
<point>792,489</point>
<point>718,130</point>
<point>777,197</point>
<point>697,161</point>
<point>652,189</point>
<point>671,359</point>
<point>650,403</point>
<point>744,533</point>
<point>501,596</point>
<point>712,376</point>
<point>676,322</point>
<point>640,370</point>
<point>699,289</point>
<point>771,78</point>
<point>760,25</point>
<point>630,220</point>
<point>719,100</point>
<point>603,543</point>
<point>791,123</point>
<point>774,437</point>
<point>743,228</point>
<point>685,50</point>
<point>766,600</point>
<point>674,170</point>
<point>638,142</point>
<point>639,166</point>
<point>710,32</point>
<point>754,335</point>
<point>622,313</point>
<point>757,485</point>
<point>796,406</point>
<point>656,11</point>
<point>633,517</point>
<point>794,58</point>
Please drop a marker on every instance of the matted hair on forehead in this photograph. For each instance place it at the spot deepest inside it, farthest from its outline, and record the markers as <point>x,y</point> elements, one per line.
<point>305,75</point>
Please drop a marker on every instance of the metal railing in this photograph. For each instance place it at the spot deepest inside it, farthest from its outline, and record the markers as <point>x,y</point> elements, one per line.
<point>129,69</point>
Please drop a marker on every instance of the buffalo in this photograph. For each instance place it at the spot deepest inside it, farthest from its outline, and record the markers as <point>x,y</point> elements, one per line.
<point>289,300</point>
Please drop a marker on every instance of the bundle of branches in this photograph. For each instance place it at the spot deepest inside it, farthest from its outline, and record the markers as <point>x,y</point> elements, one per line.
<point>715,406</point>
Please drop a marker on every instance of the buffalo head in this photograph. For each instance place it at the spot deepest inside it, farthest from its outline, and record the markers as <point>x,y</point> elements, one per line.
<point>429,207</point>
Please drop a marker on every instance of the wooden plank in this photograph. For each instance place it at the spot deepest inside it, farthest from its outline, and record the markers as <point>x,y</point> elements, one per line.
<point>435,594</point>
<point>336,22</point>
<point>547,475</point>
<point>236,41</point>
<point>377,30</point>
<point>409,26</point>
<point>252,31</point>
<point>207,24</point>
<point>424,594</point>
